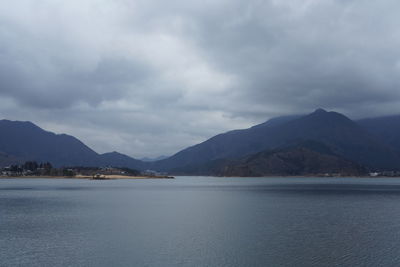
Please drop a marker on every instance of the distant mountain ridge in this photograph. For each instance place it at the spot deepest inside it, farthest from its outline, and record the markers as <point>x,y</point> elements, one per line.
<point>373,143</point>
<point>146,159</point>
<point>245,141</point>
<point>342,135</point>
<point>23,141</point>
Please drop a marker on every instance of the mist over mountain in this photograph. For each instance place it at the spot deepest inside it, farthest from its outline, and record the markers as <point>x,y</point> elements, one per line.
<point>146,159</point>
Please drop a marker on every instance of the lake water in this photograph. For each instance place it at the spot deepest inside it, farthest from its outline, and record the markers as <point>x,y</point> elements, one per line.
<point>200,221</point>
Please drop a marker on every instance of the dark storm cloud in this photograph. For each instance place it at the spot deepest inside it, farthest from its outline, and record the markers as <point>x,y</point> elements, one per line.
<point>59,84</point>
<point>149,78</point>
<point>306,53</point>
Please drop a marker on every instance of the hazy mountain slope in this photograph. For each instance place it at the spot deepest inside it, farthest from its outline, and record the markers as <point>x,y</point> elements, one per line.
<point>116,159</point>
<point>343,136</point>
<point>28,141</point>
<point>232,144</point>
<point>305,158</point>
<point>146,159</point>
<point>25,140</point>
<point>386,129</point>
<point>7,160</point>
<point>291,161</point>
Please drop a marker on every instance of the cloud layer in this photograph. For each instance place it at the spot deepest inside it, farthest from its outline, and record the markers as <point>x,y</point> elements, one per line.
<point>151,77</point>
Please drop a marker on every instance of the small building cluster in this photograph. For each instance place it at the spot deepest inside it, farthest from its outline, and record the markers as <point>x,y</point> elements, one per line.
<point>32,168</point>
<point>29,168</point>
<point>385,174</point>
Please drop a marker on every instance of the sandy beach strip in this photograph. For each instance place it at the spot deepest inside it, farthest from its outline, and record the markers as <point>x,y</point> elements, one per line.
<point>103,177</point>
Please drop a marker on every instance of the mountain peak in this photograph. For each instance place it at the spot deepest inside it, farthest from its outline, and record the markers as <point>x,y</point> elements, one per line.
<point>113,153</point>
<point>320,111</point>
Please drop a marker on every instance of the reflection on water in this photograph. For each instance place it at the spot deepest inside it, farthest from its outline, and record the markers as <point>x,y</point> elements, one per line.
<point>200,221</point>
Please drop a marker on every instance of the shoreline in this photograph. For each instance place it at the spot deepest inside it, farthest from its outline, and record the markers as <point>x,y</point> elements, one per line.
<point>118,177</point>
<point>86,177</point>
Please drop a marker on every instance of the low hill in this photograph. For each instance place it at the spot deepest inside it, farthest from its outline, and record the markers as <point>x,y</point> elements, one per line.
<point>308,158</point>
<point>116,159</point>
<point>298,161</point>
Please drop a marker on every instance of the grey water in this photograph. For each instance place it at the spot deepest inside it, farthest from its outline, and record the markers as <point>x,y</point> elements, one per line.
<point>200,221</point>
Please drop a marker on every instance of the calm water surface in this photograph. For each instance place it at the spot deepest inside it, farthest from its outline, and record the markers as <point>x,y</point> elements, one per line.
<point>200,221</point>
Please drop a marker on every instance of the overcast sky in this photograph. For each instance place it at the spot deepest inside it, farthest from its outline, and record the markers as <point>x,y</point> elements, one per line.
<point>150,77</point>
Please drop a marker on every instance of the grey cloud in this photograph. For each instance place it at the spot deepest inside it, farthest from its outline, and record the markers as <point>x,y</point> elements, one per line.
<point>149,78</point>
<point>326,55</point>
<point>60,85</point>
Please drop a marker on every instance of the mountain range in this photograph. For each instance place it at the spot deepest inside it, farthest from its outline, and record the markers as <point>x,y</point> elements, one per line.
<point>351,140</point>
<point>316,143</point>
<point>23,141</point>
